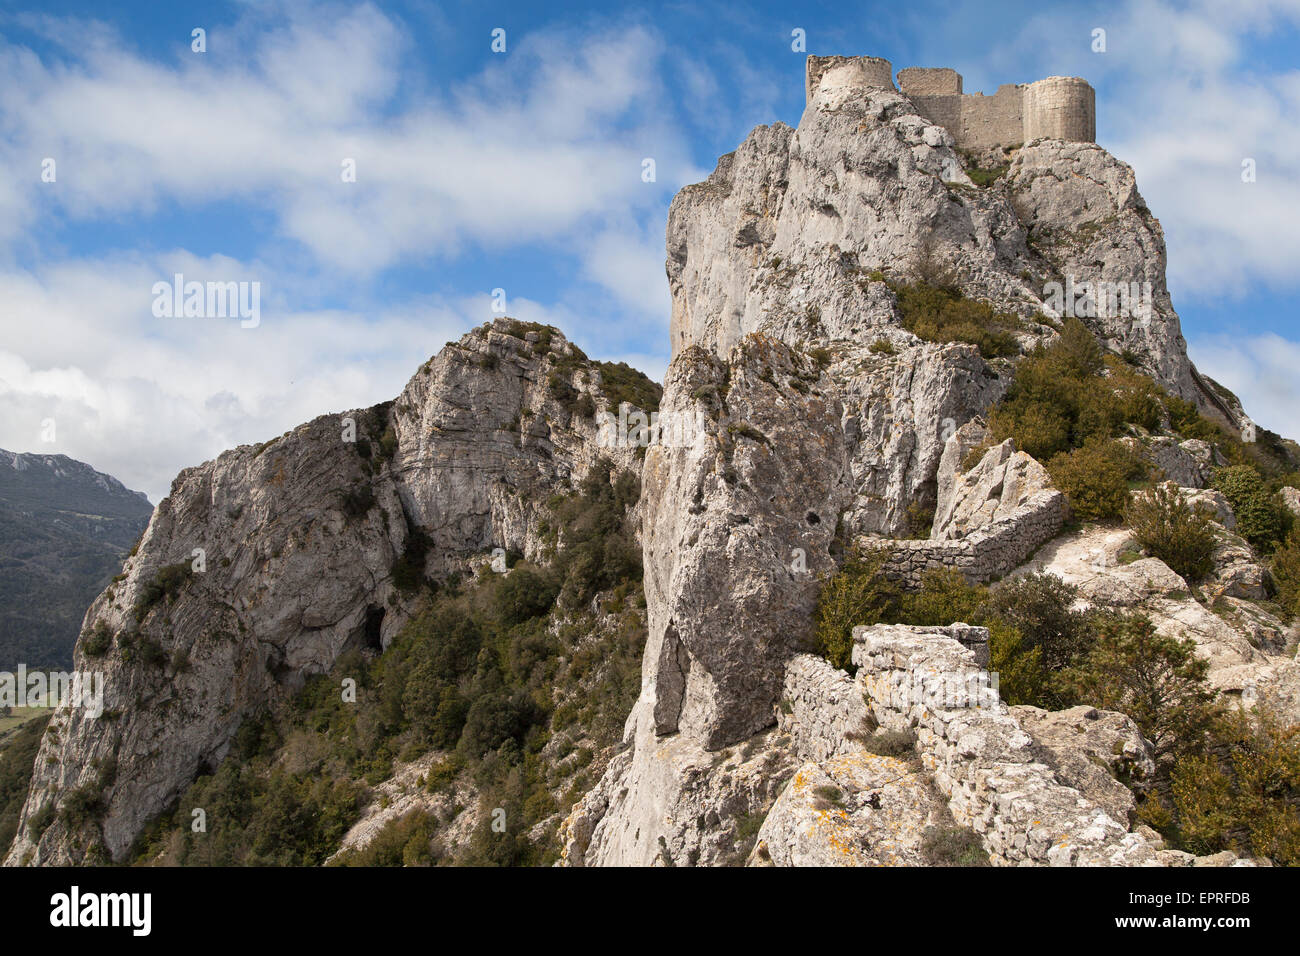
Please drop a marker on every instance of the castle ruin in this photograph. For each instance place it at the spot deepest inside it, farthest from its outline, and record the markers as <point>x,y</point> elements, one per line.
<point>1059,107</point>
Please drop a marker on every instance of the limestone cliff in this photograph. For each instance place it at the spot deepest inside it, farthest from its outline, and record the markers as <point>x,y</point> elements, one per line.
<point>826,419</point>
<point>262,566</point>
<point>801,413</point>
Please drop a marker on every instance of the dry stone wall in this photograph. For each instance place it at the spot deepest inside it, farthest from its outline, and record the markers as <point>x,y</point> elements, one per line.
<point>820,707</point>
<point>981,758</point>
<point>985,554</point>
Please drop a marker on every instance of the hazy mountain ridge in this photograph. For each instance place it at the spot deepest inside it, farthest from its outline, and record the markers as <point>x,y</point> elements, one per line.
<point>64,529</point>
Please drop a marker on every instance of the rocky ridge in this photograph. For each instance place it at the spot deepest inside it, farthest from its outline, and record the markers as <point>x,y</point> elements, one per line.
<point>793,247</point>
<point>261,567</point>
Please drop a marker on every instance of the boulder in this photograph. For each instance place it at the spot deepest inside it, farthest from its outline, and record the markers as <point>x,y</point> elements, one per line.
<point>857,809</point>
<point>1003,482</point>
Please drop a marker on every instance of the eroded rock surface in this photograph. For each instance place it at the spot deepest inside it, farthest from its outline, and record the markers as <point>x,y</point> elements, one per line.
<point>299,540</point>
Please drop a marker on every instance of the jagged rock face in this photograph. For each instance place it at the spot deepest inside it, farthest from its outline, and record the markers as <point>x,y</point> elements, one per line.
<point>300,538</point>
<point>1003,482</point>
<point>1291,499</point>
<point>1085,216</point>
<point>1093,751</point>
<point>782,234</point>
<point>857,809</point>
<point>1189,464</point>
<point>774,257</point>
<point>738,529</point>
<point>898,413</point>
<point>669,801</point>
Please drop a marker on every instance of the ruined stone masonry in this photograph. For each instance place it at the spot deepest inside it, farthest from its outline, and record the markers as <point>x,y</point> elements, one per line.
<point>984,763</point>
<point>1058,107</point>
<point>992,519</point>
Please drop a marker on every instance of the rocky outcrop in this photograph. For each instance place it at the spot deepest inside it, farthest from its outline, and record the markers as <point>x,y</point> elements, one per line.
<point>1001,485</point>
<point>1241,640</point>
<point>1100,753</point>
<point>825,420</point>
<point>262,566</point>
<point>858,809</point>
<point>1082,210</point>
<point>747,511</point>
<point>1291,499</point>
<point>1189,464</point>
<point>952,463</point>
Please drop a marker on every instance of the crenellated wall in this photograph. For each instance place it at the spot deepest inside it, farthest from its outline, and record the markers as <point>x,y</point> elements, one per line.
<point>1058,107</point>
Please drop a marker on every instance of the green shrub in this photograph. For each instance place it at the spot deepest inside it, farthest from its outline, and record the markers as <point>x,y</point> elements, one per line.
<point>1244,792</point>
<point>1259,515</point>
<point>1041,607</point>
<point>407,840</point>
<point>1035,635</point>
<point>98,641</point>
<point>1156,680</point>
<point>1022,678</point>
<point>622,383</point>
<point>855,594</point>
<point>1173,531</point>
<point>524,593</point>
<point>945,597</point>
<point>1286,573</point>
<point>1059,398</point>
<point>166,584</point>
<point>940,314</point>
<point>141,648</point>
<point>1095,478</point>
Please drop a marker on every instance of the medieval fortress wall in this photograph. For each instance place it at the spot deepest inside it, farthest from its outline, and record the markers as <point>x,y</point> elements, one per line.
<point>989,552</point>
<point>934,681</point>
<point>1059,107</point>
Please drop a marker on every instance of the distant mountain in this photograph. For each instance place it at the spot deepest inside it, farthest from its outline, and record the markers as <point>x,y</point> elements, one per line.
<point>64,529</point>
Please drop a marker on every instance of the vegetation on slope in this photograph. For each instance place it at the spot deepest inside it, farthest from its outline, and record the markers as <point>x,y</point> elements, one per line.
<point>514,683</point>
<point>1223,780</point>
<point>941,313</point>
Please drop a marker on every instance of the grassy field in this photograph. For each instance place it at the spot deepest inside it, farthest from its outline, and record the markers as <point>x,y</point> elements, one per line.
<point>17,717</point>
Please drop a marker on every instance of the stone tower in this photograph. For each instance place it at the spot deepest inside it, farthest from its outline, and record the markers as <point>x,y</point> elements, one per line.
<point>1059,107</point>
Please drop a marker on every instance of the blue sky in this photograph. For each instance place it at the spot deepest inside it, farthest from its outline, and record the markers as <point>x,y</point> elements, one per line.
<point>478,170</point>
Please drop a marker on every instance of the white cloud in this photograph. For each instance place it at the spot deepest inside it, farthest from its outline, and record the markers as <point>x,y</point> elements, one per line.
<point>142,397</point>
<point>539,140</point>
<point>1262,370</point>
<point>541,146</point>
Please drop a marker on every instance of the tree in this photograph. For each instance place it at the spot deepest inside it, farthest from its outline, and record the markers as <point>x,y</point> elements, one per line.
<point>1173,531</point>
<point>1156,680</point>
<point>856,594</point>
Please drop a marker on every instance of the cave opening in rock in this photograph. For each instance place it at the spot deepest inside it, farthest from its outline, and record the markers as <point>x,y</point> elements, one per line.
<point>374,625</point>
